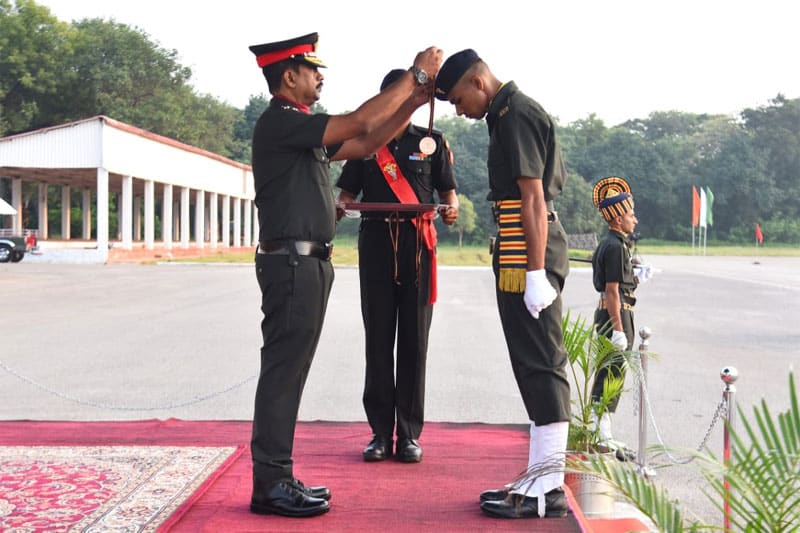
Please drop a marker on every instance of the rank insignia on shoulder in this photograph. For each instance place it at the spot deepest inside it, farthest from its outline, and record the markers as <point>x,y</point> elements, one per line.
<point>503,111</point>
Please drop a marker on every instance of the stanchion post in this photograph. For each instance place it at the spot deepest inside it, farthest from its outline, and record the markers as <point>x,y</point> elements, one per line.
<point>729,375</point>
<point>641,454</point>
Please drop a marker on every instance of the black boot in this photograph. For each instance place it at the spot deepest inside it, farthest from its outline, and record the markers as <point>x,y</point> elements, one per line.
<point>519,506</point>
<point>379,449</point>
<point>286,498</point>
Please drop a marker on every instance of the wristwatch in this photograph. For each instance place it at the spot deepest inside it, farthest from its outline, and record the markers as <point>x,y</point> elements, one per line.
<point>420,76</point>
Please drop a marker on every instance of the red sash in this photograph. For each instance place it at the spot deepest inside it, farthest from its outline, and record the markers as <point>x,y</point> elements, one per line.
<point>406,195</point>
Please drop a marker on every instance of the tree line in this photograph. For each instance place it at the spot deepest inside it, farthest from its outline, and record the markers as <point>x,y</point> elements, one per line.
<point>52,72</point>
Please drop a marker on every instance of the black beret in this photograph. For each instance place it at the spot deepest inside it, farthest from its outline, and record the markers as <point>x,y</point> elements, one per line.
<point>452,70</point>
<point>392,77</point>
<point>300,49</point>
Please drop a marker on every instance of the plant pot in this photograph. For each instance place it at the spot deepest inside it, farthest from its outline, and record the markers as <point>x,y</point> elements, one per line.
<point>595,495</point>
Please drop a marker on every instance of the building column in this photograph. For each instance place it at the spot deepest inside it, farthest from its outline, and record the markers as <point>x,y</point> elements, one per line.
<point>166,217</point>
<point>137,218</point>
<point>126,213</point>
<point>176,219</point>
<point>149,214</point>
<point>248,223</point>
<point>102,211</point>
<point>200,218</point>
<point>86,211</point>
<point>237,223</point>
<point>43,233</point>
<point>226,220</point>
<point>213,216</point>
<point>185,202</point>
<point>256,227</point>
<point>66,208</point>
<point>16,202</point>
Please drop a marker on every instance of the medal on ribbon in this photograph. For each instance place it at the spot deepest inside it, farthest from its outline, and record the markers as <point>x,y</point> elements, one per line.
<point>427,145</point>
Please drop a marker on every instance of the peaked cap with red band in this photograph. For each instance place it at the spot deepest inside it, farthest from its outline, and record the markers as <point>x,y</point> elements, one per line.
<point>299,49</point>
<point>613,197</point>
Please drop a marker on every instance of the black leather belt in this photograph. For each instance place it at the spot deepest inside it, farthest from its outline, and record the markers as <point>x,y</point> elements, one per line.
<point>628,306</point>
<point>320,250</point>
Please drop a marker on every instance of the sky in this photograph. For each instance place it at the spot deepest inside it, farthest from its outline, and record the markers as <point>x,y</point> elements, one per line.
<point>618,59</point>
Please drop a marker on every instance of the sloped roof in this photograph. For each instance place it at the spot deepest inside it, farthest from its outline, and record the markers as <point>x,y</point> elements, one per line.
<point>69,154</point>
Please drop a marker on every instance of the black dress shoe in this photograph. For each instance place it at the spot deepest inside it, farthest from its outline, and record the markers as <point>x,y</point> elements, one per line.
<point>315,492</point>
<point>494,495</point>
<point>519,506</point>
<point>286,498</point>
<point>379,448</point>
<point>408,451</point>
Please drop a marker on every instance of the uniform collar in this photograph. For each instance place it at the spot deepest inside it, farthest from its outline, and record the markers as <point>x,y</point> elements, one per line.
<point>500,102</point>
<point>286,103</point>
<point>621,236</point>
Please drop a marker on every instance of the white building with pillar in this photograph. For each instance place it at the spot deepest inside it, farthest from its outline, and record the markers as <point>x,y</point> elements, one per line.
<point>154,177</point>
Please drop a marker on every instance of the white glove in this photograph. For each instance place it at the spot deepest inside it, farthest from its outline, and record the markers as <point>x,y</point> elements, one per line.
<point>643,273</point>
<point>619,340</point>
<point>538,292</point>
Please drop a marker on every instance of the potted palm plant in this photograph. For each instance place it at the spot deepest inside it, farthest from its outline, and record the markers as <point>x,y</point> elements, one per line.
<point>587,352</point>
<point>761,483</point>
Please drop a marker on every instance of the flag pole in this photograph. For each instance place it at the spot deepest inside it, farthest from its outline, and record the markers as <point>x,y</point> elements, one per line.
<point>705,239</point>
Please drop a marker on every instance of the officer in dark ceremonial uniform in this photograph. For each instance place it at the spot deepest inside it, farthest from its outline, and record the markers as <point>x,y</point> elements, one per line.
<point>395,271</point>
<point>614,278</point>
<point>292,150</point>
<point>530,263</point>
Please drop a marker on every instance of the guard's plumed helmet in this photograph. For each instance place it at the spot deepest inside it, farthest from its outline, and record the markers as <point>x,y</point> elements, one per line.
<point>613,197</point>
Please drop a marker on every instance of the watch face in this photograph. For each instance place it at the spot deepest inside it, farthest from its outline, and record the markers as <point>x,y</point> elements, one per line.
<point>420,75</point>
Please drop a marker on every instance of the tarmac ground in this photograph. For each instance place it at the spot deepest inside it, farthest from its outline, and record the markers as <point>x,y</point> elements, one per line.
<point>131,341</point>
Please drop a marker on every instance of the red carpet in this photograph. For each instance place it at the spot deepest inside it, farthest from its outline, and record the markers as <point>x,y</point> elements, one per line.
<point>438,494</point>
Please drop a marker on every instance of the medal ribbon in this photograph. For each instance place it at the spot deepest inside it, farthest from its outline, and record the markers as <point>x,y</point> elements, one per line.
<point>406,195</point>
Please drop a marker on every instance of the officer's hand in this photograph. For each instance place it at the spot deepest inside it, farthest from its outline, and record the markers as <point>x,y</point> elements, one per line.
<point>422,94</point>
<point>449,214</point>
<point>429,60</point>
<point>538,292</point>
<point>619,340</point>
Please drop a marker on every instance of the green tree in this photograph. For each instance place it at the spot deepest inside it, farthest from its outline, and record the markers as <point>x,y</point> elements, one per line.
<point>33,45</point>
<point>466,218</point>
<point>775,133</point>
<point>469,142</point>
<point>245,123</point>
<point>121,73</point>
<point>575,208</point>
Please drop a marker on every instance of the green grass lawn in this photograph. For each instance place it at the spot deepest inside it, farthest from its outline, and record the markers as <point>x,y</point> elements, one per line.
<point>346,253</point>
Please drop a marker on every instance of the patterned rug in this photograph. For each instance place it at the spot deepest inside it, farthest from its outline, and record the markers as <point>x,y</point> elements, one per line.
<point>103,488</point>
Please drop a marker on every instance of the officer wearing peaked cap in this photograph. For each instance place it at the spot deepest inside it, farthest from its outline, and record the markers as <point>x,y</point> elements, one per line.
<point>613,277</point>
<point>530,264</point>
<point>292,150</point>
